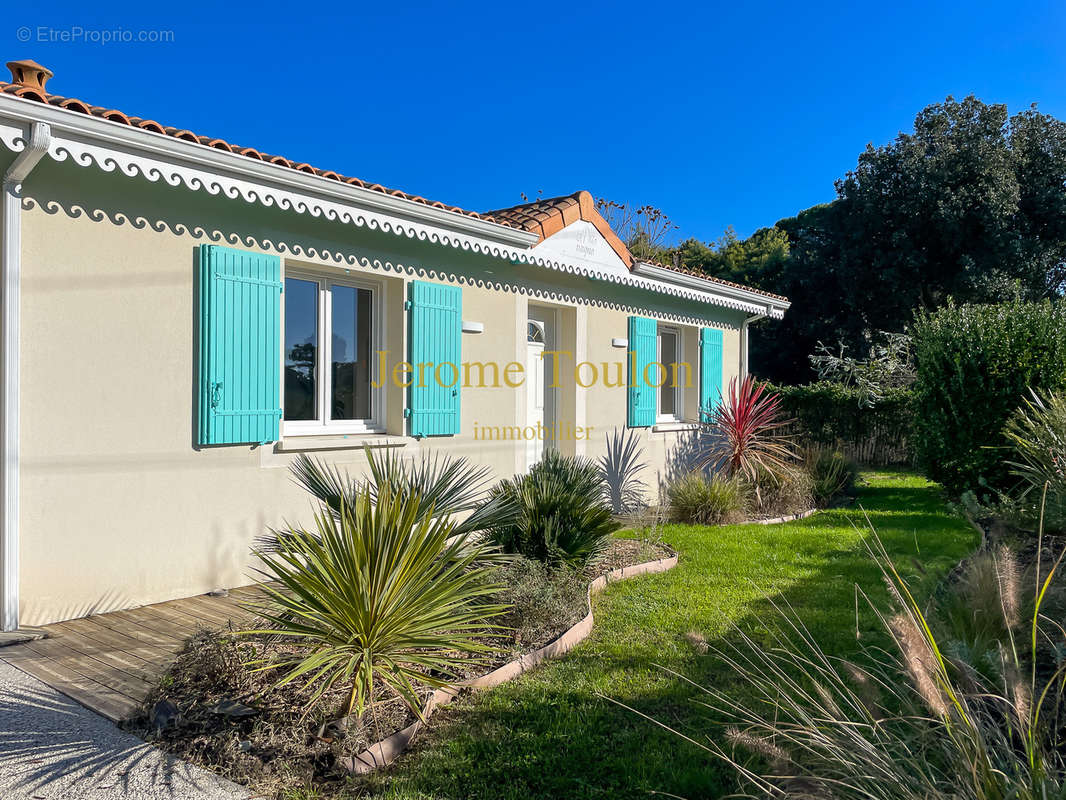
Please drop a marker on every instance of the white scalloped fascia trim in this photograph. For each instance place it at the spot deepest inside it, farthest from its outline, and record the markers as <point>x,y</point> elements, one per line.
<point>110,146</point>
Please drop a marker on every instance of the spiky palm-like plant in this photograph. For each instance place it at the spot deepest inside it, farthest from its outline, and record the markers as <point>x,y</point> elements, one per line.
<point>744,433</point>
<point>620,469</point>
<point>562,518</point>
<point>442,485</point>
<point>380,590</point>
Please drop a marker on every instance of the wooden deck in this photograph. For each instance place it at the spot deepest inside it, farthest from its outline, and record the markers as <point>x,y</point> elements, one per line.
<point>110,662</point>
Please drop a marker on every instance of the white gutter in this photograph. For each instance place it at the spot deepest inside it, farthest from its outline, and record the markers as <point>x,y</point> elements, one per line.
<point>774,306</point>
<point>744,341</point>
<point>10,276</point>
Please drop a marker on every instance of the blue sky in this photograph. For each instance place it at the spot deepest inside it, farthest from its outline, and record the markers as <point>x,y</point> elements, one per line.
<point>734,114</point>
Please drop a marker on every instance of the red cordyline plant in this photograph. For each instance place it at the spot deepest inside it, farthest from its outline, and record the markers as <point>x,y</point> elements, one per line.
<point>746,435</point>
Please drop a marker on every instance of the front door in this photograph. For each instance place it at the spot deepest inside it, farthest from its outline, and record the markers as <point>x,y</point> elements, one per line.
<point>540,405</point>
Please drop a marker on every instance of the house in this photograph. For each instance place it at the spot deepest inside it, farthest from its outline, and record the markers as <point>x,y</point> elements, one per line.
<point>182,316</point>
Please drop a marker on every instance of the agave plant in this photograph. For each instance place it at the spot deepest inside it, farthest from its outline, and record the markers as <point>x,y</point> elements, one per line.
<point>745,435</point>
<point>379,591</point>
<point>620,470</point>
<point>443,485</point>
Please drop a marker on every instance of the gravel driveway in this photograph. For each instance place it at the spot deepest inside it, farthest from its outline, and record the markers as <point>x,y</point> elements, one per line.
<point>51,747</point>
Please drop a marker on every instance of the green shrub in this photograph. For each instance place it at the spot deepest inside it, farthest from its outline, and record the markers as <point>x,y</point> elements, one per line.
<point>562,518</point>
<point>833,415</point>
<point>975,364</point>
<point>831,473</point>
<point>699,500</point>
<point>1036,435</point>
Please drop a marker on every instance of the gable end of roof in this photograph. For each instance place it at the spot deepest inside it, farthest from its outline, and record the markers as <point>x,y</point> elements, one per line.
<point>547,217</point>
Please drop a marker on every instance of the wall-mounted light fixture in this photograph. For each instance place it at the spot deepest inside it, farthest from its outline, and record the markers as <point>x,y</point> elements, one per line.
<point>473,327</point>
<point>617,342</point>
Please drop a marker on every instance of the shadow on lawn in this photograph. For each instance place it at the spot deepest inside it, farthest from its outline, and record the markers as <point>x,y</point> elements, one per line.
<point>551,733</point>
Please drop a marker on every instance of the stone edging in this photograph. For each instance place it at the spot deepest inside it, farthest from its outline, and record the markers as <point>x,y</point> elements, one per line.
<point>385,752</point>
<point>789,518</point>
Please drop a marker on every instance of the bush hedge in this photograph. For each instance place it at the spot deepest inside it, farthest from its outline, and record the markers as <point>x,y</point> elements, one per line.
<point>975,364</point>
<point>831,415</point>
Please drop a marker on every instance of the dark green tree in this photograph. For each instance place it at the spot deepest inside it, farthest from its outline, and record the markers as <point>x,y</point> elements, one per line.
<point>971,205</point>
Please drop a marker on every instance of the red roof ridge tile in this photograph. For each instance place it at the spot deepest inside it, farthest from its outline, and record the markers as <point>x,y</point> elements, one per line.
<point>546,216</point>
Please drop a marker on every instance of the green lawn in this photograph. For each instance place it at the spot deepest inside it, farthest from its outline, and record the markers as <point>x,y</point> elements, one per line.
<point>550,734</point>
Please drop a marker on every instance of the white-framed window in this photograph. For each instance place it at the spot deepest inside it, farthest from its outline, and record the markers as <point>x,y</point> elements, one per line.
<point>670,397</point>
<point>332,333</point>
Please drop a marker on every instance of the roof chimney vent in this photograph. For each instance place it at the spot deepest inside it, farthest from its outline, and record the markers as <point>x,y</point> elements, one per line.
<point>29,74</point>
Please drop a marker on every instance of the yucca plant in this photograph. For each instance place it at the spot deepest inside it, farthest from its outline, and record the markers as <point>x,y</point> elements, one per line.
<point>908,723</point>
<point>620,469</point>
<point>562,518</point>
<point>380,591</point>
<point>444,485</point>
<point>744,433</point>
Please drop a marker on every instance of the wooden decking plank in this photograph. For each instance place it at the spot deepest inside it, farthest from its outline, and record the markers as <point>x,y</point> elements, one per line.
<point>134,665</point>
<point>216,609</point>
<point>177,620</point>
<point>102,699</point>
<point>110,662</point>
<point>95,667</point>
<point>139,619</point>
<point>135,628</point>
<point>150,654</point>
<point>151,639</point>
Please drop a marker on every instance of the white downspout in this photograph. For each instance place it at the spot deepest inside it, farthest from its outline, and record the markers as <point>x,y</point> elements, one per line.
<point>744,342</point>
<point>10,276</point>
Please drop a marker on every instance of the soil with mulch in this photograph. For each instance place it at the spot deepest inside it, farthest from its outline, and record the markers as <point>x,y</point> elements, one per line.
<point>219,705</point>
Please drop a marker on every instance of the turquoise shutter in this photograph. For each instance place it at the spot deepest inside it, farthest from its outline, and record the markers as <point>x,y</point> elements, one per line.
<point>643,334</point>
<point>240,346</point>
<point>434,331</point>
<point>710,371</point>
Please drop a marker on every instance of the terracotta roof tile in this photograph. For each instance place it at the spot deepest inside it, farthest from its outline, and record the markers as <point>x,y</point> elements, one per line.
<point>542,217</point>
<point>73,104</point>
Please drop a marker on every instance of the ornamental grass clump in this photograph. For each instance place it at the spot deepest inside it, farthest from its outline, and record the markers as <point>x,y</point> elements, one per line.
<point>382,591</point>
<point>914,721</point>
<point>832,474</point>
<point>1036,437</point>
<point>701,500</point>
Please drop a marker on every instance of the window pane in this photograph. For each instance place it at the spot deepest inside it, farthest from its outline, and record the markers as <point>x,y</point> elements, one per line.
<point>301,348</point>
<point>667,357</point>
<point>350,371</point>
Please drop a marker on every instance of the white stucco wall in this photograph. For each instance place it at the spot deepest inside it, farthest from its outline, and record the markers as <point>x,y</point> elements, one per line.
<point>119,505</point>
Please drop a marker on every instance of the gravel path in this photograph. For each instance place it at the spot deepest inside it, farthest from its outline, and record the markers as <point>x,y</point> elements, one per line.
<point>51,747</point>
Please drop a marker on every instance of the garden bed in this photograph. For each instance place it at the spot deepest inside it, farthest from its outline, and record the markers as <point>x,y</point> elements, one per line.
<point>231,719</point>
